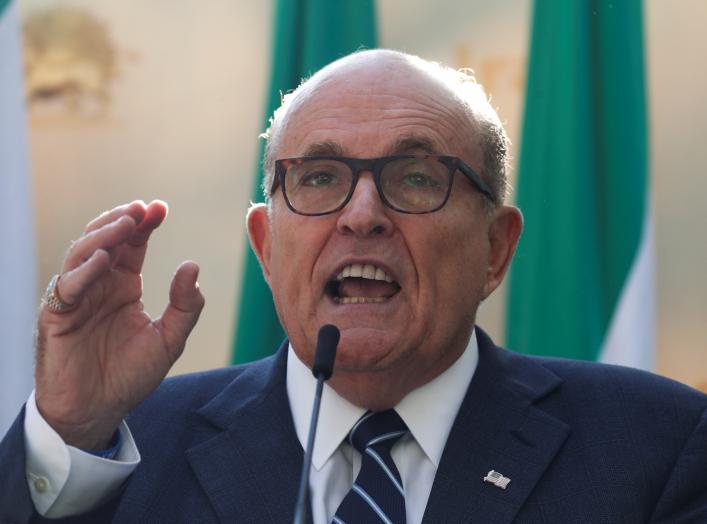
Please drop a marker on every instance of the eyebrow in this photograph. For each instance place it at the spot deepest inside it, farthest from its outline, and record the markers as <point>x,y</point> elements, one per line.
<point>326,148</point>
<point>413,143</point>
<point>403,145</point>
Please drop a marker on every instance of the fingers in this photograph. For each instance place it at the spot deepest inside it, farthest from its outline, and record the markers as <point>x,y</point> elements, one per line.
<point>132,255</point>
<point>73,284</point>
<point>71,287</point>
<point>146,216</point>
<point>115,239</point>
<point>151,214</point>
<point>154,215</point>
<point>106,237</point>
<point>123,232</point>
<point>183,310</point>
<point>135,209</point>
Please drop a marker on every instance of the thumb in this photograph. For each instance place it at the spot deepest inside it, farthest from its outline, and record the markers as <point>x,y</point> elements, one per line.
<point>183,310</point>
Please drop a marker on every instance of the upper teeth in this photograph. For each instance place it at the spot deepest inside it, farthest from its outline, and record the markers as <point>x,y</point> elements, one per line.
<point>368,271</point>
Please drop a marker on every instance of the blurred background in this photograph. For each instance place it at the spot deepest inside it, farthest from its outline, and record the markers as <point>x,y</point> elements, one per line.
<point>166,99</point>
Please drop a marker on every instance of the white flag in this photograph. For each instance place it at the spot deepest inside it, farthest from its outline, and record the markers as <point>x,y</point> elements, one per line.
<point>17,250</point>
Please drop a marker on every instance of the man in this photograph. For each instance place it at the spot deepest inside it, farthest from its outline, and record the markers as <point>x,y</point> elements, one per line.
<point>385,216</point>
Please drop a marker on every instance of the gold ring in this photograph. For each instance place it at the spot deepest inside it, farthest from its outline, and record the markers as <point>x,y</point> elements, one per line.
<point>52,299</point>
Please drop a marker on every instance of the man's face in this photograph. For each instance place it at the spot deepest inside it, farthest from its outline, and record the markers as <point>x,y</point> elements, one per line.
<point>394,335</point>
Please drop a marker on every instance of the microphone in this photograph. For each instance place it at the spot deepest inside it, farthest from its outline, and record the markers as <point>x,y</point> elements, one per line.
<point>327,340</point>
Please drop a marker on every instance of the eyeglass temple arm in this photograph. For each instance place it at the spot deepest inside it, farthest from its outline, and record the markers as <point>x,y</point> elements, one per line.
<point>477,181</point>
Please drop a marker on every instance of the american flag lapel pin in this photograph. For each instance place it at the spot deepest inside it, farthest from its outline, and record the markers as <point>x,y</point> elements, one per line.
<point>498,480</point>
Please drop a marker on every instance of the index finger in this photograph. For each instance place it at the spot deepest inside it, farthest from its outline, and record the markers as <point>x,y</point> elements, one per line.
<point>131,255</point>
<point>136,209</point>
<point>155,213</point>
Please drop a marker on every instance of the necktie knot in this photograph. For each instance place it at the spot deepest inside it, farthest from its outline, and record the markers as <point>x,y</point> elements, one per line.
<point>380,429</point>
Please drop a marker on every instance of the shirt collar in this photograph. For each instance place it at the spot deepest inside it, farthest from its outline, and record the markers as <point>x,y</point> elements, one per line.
<point>429,411</point>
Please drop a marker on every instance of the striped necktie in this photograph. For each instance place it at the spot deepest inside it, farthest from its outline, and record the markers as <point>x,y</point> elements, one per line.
<point>377,494</point>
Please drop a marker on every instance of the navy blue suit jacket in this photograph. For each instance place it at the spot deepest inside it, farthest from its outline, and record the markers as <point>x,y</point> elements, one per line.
<point>580,442</point>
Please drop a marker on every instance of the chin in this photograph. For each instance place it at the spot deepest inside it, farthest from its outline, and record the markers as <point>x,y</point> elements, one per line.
<point>363,350</point>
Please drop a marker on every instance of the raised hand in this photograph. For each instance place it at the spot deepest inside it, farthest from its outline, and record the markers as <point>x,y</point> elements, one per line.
<point>103,356</point>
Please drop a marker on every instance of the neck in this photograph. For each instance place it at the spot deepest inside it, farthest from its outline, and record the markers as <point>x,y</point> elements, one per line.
<point>379,390</point>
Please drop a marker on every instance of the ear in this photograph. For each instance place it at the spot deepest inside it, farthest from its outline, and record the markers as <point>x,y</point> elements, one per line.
<point>504,232</point>
<point>259,234</point>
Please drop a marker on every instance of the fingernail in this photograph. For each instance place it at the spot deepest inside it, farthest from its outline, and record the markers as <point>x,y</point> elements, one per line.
<point>158,201</point>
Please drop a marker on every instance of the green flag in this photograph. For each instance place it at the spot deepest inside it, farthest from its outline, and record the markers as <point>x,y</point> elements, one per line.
<point>308,34</point>
<point>582,280</point>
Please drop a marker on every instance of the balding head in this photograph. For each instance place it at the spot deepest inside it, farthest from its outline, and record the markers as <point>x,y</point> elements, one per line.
<point>366,73</point>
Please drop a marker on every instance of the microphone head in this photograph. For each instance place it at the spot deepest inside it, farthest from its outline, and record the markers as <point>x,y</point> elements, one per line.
<point>327,340</point>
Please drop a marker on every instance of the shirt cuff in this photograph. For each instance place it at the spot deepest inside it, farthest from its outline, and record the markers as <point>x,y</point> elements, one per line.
<point>64,480</point>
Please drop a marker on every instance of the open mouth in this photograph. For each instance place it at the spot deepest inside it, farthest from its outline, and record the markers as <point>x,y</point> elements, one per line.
<point>361,284</point>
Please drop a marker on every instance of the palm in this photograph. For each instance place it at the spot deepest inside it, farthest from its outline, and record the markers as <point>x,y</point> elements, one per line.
<point>131,353</point>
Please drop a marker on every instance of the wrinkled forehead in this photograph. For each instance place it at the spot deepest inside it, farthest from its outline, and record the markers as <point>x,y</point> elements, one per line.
<point>382,100</point>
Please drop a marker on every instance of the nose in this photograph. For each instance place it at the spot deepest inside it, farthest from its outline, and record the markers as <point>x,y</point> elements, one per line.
<point>365,214</point>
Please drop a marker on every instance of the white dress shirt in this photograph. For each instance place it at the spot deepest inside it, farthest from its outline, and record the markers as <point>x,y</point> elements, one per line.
<point>65,481</point>
<point>429,412</point>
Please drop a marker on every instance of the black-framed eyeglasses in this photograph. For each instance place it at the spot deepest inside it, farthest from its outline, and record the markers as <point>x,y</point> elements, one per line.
<point>319,185</point>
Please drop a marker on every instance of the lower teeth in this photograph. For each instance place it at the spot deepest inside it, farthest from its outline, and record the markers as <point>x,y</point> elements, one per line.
<point>360,300</point>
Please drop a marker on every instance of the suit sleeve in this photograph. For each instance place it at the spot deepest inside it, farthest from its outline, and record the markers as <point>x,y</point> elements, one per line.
<point>684,497</point>
<point>15,500</point>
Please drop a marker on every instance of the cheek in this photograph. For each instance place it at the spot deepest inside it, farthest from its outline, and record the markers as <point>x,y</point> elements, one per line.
<point>283,255</point>
<point>458,267</point>
<point>289,286</point>
<point>295,249</point>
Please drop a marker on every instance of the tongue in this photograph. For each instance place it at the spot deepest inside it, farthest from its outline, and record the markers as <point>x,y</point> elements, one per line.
<point>361,287</point>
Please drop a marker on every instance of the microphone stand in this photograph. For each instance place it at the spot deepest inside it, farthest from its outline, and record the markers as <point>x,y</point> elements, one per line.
<point>327,340</point>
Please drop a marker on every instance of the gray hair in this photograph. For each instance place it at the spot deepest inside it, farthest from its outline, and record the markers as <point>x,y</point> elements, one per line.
<point>470,95</point>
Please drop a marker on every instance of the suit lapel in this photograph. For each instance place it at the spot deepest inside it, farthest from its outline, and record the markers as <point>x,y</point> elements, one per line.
<point>251,468</point>
<point>497,428</point>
